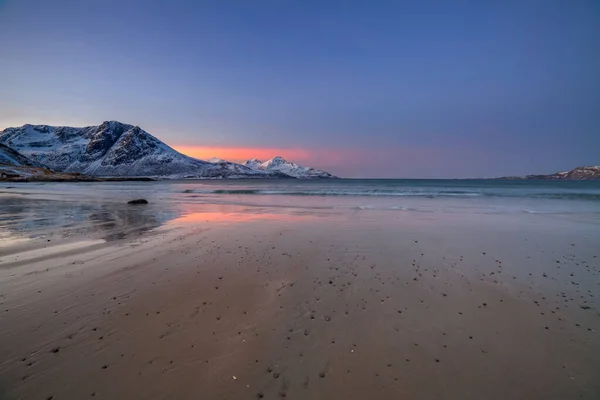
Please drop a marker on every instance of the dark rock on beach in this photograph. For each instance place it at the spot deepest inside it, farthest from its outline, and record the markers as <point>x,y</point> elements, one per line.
<point>138,201</point>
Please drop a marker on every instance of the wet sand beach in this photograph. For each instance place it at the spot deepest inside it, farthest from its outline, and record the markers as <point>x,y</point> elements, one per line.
<point>238,303</point>
<point>245,290</point>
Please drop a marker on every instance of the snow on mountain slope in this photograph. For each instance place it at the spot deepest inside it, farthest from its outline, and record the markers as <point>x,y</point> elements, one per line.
<point>579,173</point>
<point>9,156</point>
<point>115,149</point>
<point>288,168</point>
<point>253,163</point>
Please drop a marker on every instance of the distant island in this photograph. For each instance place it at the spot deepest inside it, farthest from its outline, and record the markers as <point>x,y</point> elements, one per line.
<point>580,173</point>
<point>117,151</point>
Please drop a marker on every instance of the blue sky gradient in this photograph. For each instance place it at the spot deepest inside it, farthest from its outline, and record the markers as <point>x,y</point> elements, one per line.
<point>366,88</point>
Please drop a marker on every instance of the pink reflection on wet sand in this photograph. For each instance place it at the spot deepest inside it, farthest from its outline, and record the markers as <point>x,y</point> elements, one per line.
<point>237,217</point>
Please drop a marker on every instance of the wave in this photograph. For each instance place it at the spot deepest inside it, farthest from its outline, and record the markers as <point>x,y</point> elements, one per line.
<point>235,191</point>
<point>434,193</point>
<point>335,192</point>
<point>565,196</point>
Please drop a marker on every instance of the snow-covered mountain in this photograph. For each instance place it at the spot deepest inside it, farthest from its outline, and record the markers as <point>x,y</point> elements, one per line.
<point>580,173</point>
<point>115,149</point>
<point>10,156</point>
<point>253,163</point>
<point>288,168</point>
<point>14,166</point>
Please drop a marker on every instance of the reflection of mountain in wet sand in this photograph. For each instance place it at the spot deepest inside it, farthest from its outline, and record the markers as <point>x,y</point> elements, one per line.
<point>127,222</point>
<point>23,217</point>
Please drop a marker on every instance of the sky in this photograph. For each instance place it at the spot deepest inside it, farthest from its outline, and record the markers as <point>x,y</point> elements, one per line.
<point>393,89</point>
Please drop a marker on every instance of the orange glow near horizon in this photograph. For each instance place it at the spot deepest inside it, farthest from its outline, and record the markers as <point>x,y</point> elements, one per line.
<point>243,154</point>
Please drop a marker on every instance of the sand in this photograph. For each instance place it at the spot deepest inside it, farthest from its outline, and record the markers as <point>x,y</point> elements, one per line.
<point>231,304</point>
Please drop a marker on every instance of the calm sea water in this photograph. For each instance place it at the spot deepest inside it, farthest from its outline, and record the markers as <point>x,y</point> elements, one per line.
<point>562,190</point>
<point>33,207</point>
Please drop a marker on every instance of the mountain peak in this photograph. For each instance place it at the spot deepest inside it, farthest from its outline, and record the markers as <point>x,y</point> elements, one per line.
<point>279,164</point>
<point>254,164</point>
<point>115,125</point>
<point>277,160</point>
<point>112,122</point>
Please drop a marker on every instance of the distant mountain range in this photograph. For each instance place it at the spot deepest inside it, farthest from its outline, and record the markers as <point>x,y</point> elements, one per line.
<point>278,164</point>
<point>114,149</point>
<point>579,173</point>
<point>119,150</point>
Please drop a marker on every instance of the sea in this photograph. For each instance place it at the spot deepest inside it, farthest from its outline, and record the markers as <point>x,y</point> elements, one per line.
<point>39,208</point>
